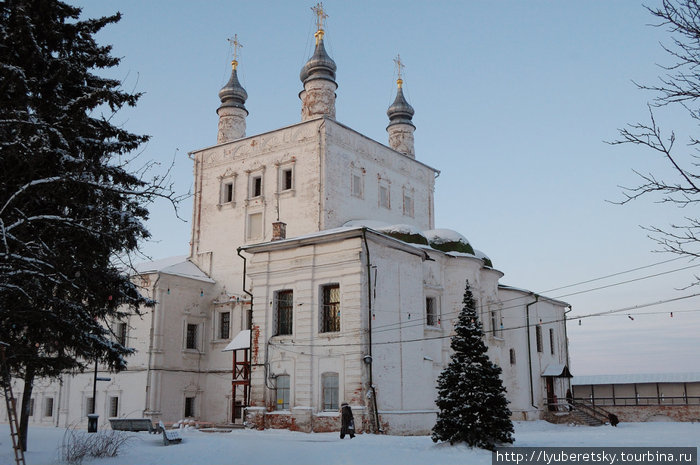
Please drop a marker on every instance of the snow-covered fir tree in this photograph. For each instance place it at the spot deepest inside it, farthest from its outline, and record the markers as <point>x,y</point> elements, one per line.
<point>471,396</point>
<point>68,204</point>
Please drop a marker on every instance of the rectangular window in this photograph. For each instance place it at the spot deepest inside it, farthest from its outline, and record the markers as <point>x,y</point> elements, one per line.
<point>89,405</point>
<point>494,324</point>
<point>330,313</point>
<point>287,179</point>
<point>227,192</point>
<point>551,341</point>
<point>538,335</point>
<point>189,407</point>
<point>512,356</point>
<point>284,306</point>
<point>282,392</point>
<point>356,186</point>
<point>121,333</point>
<point>31,407</point>
<point>407,205</point>
<point>256,186</point>
<point>330,391</point>
<point>191,342</point>
<point>48,407</point>
<point>255,225</point>
<point>114,406</point>
<point>431,314</point>
<point>384,197</point>
<point>224,325</point>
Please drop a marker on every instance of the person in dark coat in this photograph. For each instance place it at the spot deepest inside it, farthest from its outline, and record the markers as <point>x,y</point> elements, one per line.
<point>569,400</point>
<point>347,422</point>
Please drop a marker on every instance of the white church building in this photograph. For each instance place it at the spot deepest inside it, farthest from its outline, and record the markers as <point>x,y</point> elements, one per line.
<point>316,276</point>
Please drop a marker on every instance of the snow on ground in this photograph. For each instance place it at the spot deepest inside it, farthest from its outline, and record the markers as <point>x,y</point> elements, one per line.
<point>290,448</point>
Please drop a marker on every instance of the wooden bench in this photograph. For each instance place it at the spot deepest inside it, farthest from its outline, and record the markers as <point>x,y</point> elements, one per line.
<point>132,424</point>
<point>170,436</point>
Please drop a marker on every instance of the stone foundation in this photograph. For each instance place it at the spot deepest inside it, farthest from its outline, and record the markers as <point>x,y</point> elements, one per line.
<point>302,419</point>
<point>643,413</point>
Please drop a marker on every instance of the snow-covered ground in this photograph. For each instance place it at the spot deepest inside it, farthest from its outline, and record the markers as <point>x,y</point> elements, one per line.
<point>289,448</point>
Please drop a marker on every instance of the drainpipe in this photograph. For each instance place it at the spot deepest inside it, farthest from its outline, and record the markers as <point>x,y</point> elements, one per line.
<point>566,343</point>
<point>250,319</point>
<point>529,349</point>
<point>146,407</point>
<point>369,327</point>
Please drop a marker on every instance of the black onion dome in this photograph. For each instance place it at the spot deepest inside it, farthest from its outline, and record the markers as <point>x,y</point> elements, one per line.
<point>400,112</point>
<point>319,66</point>
<point>233,94</point>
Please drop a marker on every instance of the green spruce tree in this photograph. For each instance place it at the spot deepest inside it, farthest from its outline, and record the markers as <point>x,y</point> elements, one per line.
<point>70,208</point>
<point>471,397</point>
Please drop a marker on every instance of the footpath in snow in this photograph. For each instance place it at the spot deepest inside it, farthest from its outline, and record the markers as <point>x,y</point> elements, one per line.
<point>290,448</point>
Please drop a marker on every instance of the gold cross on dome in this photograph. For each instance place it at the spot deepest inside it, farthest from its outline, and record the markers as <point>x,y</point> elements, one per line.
<point>320,15</point>
<point>236,46</point>
<point>399,64</point>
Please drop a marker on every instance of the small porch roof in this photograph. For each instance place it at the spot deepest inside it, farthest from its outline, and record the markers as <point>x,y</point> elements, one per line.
<point>241,341</point>
<point>557,370</point>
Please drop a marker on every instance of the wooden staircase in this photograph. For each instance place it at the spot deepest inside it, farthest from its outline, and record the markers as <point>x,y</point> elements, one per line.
<point>11,407</point>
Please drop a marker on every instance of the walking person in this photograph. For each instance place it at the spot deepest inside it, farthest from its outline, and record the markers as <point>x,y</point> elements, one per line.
<point>347,422</point>
<point>569,400</point>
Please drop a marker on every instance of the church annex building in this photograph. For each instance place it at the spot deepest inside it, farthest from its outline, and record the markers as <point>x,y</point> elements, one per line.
<point>316,276</point>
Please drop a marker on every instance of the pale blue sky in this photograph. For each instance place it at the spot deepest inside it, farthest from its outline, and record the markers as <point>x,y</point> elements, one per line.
<point>513,101</point>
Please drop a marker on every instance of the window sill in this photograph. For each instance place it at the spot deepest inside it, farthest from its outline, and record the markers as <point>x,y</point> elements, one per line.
<point>218,341</point>
<point>328,413</point>
<point>192,352</point>
<point>434,328</point>
<point>231,204</point>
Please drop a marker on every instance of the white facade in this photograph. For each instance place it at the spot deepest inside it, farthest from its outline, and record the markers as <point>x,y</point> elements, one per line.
<point>397,300</point>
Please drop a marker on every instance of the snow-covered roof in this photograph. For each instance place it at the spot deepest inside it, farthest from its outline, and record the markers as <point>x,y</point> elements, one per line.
<point>241,341</point>
<point>176,266</point>
<point>558,370</point>
<point>442,236</point>
<point>637,378</point>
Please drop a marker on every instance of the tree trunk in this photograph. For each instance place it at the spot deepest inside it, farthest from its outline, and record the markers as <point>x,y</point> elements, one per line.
<point>26,400</point>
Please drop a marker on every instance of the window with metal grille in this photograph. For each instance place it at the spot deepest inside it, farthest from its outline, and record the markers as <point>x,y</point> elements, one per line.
<point>330,391</point>
<point>224,325</point>
<point>189,407</point>
<point>284,306</point>
<point>191,342</point>
<point>114,406</point>
<point>551,341</point>
<point>538,335</point>
<point>330,313</point>
<point>121,333</point>
<point>48,407</point>
<point>89,405</point>
<point>282,392</point>
<point>31,407</point>
<point>512,356</point>
<point>431,316</point>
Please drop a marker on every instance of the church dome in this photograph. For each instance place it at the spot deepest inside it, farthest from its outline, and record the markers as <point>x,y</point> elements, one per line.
<point>319,66</point>
<point>233,94</point>
<point>400,112</point>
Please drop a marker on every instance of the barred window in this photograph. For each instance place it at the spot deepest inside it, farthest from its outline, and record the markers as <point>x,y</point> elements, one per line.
<point>512,356</point>
<point>330,391</point>
<point>283,314</point>
<point>89,405</point>
<point>48,407</point>
<point>189,407</point>
<point>538,335</point>
<point>191,342</point>
<point>551,341</point>
<point>282,392</point>
<point>330,313</point>
<point>431,314</point>
<point>121,333</point>
<point>224,325</point>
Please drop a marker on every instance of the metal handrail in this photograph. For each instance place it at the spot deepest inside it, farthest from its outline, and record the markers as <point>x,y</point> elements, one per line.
<point>592,410</point>
<point>641,400</point>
